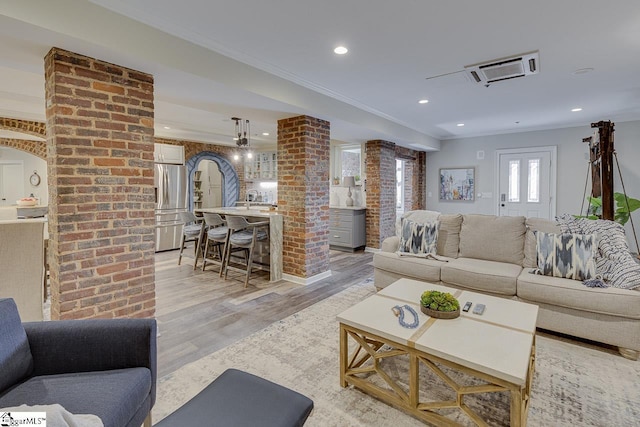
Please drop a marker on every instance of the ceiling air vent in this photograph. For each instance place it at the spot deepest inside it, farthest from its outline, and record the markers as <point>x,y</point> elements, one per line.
<point>504,69</point>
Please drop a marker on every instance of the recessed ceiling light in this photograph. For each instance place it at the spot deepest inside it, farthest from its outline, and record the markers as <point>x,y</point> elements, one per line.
<point>235,138</point>
<point>423,101</point>
<point>460,125</point>
<point>265,133</point>
<point>167,127</point>
<point>340,50</point>
<point>582,71</point>
<point>575,110</point>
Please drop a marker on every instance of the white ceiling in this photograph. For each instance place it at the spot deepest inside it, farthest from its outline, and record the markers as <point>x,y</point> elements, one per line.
<point>266,60</point>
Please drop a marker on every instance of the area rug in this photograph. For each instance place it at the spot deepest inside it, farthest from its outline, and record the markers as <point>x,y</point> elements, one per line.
<point>574,384</point>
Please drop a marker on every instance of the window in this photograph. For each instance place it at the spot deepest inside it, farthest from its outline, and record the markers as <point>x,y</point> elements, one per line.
<point>347,161</point>
<point>514,181</point>
<point>400,185</point>
<point>533,192</point>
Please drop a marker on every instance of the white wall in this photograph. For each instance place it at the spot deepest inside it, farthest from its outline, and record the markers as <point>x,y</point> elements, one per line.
<point>572,166</point>
<point>31,163</point>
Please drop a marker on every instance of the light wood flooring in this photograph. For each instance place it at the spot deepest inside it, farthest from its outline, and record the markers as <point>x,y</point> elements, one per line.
<point>199,313</point>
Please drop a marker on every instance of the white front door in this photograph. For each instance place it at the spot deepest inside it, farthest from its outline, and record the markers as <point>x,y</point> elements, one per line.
<point>526,182</point>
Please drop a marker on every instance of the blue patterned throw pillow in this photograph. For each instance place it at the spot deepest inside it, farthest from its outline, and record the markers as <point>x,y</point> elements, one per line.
<point>418,239</point>
<point>571,256</point>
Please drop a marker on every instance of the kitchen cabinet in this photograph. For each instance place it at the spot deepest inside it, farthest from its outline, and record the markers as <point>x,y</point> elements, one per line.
<point>168,153</point>
<point>347,228</point>
<point>262,167</point>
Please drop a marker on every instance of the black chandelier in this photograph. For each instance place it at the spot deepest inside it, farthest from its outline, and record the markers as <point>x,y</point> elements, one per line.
<point>243,137</point>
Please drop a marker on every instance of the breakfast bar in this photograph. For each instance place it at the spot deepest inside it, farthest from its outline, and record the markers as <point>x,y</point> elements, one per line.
<point>275,231</point>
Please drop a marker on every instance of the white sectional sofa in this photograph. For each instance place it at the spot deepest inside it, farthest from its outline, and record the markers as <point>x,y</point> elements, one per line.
<point>495,255</point>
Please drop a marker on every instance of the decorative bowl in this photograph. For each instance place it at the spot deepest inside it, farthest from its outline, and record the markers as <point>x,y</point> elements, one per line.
<point>440,314</point>
<point>27,201</point>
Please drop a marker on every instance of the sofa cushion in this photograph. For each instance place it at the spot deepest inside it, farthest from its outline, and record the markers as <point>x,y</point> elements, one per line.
<point>115,396</point>
<point>570,256</point>
<point>493,238</point>
<point>488,276</point>
<point>390,244</point>
<point>16,362</point>
<point>418,239</point>
<point>449,235</point>
<point>418,268</point>
<point>573,294</point>
<point>533,225</point>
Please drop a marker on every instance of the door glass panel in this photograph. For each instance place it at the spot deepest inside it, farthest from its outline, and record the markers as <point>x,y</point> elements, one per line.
<point>533,193</point>
<point>514,181</point>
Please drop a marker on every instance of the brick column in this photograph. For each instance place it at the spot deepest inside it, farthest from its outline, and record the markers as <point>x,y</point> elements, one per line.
<point>100,166</point>
<point>381,191</point>
<point>303,194</point>
<point>420,184</point>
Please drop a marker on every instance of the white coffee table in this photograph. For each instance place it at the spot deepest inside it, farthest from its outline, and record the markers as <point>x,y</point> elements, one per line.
<point>497,347</point>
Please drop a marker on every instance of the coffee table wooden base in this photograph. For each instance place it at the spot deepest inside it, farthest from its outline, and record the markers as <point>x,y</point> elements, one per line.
<point>368,354</point>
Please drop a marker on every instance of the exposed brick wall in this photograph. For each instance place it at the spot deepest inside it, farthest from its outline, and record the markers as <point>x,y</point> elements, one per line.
<point>100,163</point>
<point>381,191</point>
<point>409,178</point>
<point>303,194</point>
<point>420,181</point>
<point>24,126</point>
<point>37,148</point>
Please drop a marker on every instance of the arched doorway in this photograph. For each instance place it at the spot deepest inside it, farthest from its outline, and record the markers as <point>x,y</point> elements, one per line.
<point>230,181</point>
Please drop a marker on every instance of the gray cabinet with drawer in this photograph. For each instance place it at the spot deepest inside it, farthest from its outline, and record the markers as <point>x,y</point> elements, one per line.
<point>347,228</point>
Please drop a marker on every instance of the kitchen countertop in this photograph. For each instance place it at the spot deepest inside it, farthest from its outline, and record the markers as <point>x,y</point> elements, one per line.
<point>242,202</point>
<point>353,208</point>
<point>261,212</point>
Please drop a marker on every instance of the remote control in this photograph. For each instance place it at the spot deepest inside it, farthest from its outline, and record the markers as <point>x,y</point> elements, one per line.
<point>467,306</point>
<point>478,309</point>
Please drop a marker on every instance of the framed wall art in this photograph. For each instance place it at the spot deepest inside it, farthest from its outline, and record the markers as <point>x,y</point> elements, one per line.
<point>457,184</point>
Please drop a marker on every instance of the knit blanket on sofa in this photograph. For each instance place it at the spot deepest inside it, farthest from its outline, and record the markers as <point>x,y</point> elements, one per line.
<point>614,262</point>
<point>56,416</point>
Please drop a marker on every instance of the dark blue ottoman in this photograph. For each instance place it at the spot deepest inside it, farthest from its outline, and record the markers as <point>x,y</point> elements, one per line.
<point>240,399</point>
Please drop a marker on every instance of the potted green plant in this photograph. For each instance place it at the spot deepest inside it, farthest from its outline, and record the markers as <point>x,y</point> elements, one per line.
<point>336,180</point>
<point>623,207</point>
<point>441,305</point>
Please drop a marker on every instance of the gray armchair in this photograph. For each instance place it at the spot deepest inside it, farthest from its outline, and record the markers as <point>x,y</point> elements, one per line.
<point>101,367</point>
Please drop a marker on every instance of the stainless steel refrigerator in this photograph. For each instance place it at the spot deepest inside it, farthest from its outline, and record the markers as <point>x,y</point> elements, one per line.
<point>171,198</point>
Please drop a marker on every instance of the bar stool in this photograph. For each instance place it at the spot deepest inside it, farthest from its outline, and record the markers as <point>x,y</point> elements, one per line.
<point>191,232</point>
<point>216,236</point>
<point>243,234</point>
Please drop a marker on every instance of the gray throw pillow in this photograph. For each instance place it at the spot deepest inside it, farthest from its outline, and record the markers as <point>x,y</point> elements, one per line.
<point>570,256</point>
<point>418,239</point>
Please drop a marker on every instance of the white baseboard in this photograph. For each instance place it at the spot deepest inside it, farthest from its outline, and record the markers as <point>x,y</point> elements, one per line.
<point>306,280</point>
<point>372,250</point>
